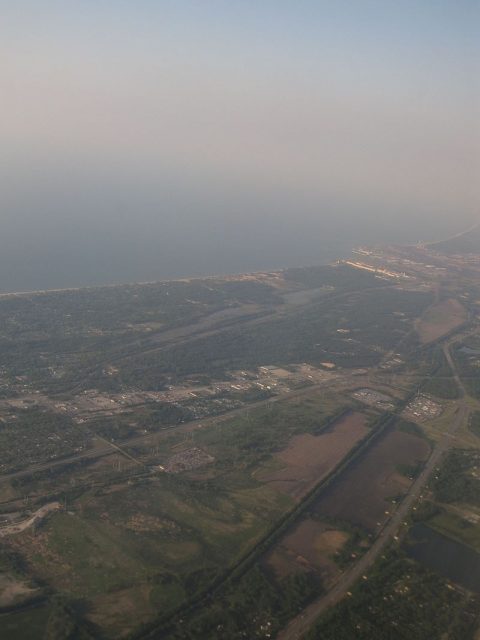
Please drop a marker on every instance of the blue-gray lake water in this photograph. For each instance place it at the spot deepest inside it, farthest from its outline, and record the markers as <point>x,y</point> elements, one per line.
<point>76,245</point>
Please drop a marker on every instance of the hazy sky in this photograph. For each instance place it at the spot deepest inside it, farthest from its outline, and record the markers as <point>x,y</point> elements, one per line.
<point>203,135</point>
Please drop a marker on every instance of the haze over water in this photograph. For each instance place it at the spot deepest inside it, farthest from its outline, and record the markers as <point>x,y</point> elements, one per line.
<point>153,140</point>
<point>77,257</point>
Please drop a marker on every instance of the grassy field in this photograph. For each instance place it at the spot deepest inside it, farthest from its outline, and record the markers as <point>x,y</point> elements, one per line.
<point>132,550</point>
<point>148,540</point>
<point>456,526</point>
<point>24,625</point>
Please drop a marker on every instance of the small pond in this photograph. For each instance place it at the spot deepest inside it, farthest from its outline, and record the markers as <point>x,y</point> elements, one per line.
<point>451,559</point>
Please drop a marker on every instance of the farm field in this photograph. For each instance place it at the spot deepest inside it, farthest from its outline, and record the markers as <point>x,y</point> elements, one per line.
<point>440,319</point>
<point>363,494</point>
<point>310,546</point>
<point>308,458</point>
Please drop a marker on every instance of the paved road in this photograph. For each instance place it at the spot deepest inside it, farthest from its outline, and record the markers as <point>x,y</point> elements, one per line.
<point>303,622</point>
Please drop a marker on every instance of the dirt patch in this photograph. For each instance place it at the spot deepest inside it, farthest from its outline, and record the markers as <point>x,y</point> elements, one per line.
<point>440,319</point>
<point>360,494</point>
<point>310,546</point>
<point>33,520</point>
<point>120,612</point>
<point>142,523</point>
<point>308,458</point>
<point>330,542</point>
<point>13,591</point>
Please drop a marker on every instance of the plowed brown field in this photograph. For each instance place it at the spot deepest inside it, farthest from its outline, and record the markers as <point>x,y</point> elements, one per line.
<point>310,545</point>
<point>360,494</point>
<point>440,319</point>
<point>308,458</point>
